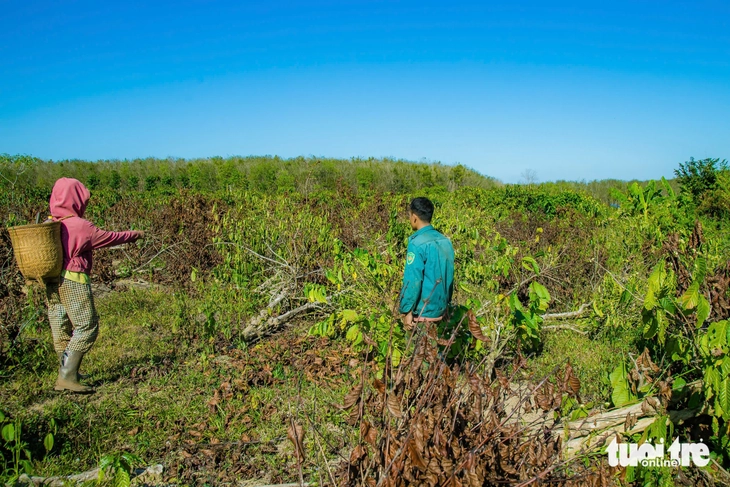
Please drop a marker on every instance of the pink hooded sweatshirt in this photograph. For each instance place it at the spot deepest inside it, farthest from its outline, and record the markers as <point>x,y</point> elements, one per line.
<point>78,236</point>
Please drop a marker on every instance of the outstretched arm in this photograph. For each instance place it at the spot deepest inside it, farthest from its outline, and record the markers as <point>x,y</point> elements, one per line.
<point>102,238</point>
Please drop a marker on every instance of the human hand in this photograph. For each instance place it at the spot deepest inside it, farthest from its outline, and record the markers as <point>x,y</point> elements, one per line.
<point>408,321</point>
<point>140,234</point>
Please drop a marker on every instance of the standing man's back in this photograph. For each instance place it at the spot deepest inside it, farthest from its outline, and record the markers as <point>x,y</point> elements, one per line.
<point>428,278</point>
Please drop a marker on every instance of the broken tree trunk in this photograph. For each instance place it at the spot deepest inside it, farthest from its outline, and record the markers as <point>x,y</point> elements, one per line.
<point>258,328</point>
<point>593,432</point>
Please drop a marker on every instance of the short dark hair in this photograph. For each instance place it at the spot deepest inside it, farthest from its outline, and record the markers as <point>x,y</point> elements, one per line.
<point>422,208</point>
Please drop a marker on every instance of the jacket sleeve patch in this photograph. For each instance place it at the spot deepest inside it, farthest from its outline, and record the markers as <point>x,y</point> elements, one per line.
<point>410,257</point>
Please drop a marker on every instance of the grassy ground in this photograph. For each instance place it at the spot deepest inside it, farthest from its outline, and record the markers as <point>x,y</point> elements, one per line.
<point>211,413</point>
<point>208,413</point>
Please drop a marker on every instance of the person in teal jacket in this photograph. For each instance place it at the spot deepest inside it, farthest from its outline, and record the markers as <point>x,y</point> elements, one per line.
<point>428,279</point>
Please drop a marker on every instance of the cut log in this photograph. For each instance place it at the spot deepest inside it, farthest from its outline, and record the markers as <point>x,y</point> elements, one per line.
<point>592,433</point>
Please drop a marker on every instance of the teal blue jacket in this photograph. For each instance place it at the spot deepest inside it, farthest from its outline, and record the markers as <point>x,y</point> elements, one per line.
<point>428,279</point>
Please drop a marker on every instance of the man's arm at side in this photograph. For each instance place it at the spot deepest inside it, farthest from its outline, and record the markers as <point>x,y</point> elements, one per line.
<point>412,280</point>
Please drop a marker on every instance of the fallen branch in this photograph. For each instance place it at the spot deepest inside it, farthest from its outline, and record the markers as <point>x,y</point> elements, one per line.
<point>256,321</point>
<point>257,330</point>
<point>88,476</point>
<point>564,327</point>
<point>568,314</point>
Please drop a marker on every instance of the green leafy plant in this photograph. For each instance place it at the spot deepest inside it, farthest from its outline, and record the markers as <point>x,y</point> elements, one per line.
<point>527,320</point>
<point>20,457</point>
<point>118,467</point>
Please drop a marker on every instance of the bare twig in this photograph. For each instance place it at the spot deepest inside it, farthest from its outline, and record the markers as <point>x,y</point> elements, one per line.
<point>263,257</point>
<point>167,249</point>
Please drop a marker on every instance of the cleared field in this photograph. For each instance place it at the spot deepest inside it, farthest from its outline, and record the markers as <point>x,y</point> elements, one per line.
<point>254,335</point>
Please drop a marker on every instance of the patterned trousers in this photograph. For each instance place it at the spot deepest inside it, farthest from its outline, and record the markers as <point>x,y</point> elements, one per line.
<point>72,314</point>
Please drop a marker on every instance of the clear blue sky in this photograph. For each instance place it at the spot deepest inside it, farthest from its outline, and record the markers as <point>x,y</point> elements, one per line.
<point>570,90</point>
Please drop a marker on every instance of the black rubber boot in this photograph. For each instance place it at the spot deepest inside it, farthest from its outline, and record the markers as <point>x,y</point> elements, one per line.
<point>68,374</point>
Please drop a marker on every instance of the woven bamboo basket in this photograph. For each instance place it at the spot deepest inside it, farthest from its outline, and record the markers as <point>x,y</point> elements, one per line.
<point>38,250</point>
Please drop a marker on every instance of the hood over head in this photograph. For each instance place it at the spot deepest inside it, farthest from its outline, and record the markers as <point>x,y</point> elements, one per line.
<point>69,198</point>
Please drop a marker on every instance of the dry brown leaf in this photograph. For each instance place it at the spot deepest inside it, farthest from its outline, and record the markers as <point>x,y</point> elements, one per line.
<point>352,398</point>
<point>644,361</point>
<point>357,453</point>
<point>368,432</point>
<point>379,385</point>
<point>630,421</point>
<point>475,383</point>
<point>571,383</point>
<point>354,416</point>
<point>545,397</point>
<point>295,433</point>
<point>473,479</point>
<point>393,404</point>
<point>664,390</point>
<point>475,328</point>
<point>503,382</point>
<point>447,466</point>
<point>415,455</point>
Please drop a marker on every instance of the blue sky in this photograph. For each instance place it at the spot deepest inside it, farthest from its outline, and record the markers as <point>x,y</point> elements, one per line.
<point>569,90</point>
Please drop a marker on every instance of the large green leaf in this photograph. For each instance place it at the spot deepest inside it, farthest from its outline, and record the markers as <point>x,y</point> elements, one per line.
<point>655,284</point>
<point>352,333</point>
<point>621,394</point>
<point>48,442</point>
<point>540,291</point>
<point>8,432</point>
<point>530,264</point>
<point>349,315</point>
<point>725,367</point>
<point>703,310</point>
<point>711,382</point>
<point>667,305</point>
<point>691,296</point>
<point>651,325</point>
<point>657,277</point>
<point>723,398</point>
<point>514,302</point>
<point>650,300</point>
<point>717,335</point>
<point>667,188</point>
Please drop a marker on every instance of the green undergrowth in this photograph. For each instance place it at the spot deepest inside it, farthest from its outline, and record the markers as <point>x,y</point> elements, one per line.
<point>199,409</point>
<point>593,358</point>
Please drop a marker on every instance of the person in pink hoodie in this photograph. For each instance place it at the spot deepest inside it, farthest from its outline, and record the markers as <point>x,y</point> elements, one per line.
<point>71,311</point>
